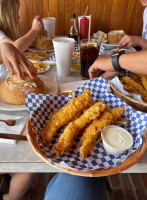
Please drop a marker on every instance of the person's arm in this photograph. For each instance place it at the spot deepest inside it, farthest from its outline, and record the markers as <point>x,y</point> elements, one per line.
<point>132,41</point>
<point>23,42</point>
<point>135,62</point>
<point>11,57</point>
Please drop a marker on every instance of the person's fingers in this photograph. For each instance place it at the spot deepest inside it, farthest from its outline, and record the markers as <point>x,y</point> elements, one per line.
<point>37,17</point>
<point>17,67</point>
<point>30,69</point>
<point>33,69</point>
<point>93,72</point>
<point>9,66</point>
<point>109,74</point>
<point>119,45</point>
<point>124,43</point>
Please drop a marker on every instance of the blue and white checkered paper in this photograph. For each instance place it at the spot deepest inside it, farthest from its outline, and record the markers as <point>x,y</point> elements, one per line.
<point>52,59</point>
<point>40,106</point>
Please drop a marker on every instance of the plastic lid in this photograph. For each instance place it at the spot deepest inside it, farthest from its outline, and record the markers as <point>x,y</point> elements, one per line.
<point>73,15</point>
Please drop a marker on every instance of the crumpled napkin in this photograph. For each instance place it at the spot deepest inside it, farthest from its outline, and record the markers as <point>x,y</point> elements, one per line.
<point>16,129</point>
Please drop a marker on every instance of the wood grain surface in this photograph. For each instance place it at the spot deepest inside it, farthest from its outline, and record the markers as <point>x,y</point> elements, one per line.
<point>105,15</point>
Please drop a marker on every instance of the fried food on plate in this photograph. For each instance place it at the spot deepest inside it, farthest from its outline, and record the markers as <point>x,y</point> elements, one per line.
<point>75,54</point>
<point>129,81</point>
<point>64,116</point>
<point>39,66</point>
<point>36,55</point>
<point>66,140</point>
<point>92,132</point>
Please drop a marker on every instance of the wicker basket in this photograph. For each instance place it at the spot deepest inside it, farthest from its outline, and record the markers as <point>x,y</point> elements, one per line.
<point>138,105</point>
<point>135,157</point>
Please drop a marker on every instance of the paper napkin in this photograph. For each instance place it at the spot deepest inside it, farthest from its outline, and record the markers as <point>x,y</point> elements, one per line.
<point>16,129</point>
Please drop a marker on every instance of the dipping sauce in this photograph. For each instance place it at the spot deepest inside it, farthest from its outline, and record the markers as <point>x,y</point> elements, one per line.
<point>116,140</point>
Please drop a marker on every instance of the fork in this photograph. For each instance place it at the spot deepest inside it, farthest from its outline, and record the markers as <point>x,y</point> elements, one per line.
<point>12,122</point>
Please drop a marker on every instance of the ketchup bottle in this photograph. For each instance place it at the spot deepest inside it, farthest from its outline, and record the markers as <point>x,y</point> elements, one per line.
<point>84,28</point>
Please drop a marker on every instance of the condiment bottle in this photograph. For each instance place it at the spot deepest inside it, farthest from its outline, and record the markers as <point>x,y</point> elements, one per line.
<point>73,32</point>
<point>84,28</point>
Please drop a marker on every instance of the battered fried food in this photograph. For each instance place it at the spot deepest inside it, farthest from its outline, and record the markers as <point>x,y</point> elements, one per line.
<point>64,116</point>
<point>138,87</point>
<point>92,132</point>
<point>73,128</point>
<point>143,79</point>
<point>130,89</point>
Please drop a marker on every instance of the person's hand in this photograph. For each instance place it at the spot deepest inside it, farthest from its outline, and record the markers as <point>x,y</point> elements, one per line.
<point>109,74</point>
<point>13,58</point>
<point>129,41</point>
<point>37,24</point>
<point>102,63</point>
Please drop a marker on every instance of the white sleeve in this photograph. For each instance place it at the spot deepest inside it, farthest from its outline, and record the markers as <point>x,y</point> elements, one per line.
<point>2,35</point>
<point>3,68</point>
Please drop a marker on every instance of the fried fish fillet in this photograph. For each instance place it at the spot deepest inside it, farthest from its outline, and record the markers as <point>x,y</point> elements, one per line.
<point>64,116</point>
<point>130,81</point>
<point>73,128</point>
<point>130,89</point>
<point>143,79</point>
<point>92,132</point>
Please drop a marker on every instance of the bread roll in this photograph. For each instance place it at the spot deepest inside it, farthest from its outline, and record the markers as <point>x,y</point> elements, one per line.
<point>44,43</point>
<point>13,90</point>
<point>115,36</point>
<point>102,37</point>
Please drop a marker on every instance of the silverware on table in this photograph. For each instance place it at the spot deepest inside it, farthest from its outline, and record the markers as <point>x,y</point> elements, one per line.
<point>12,122</point>
<point>12,136</point>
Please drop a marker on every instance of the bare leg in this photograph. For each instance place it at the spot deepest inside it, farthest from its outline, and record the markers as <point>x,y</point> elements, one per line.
<point>20,183</point>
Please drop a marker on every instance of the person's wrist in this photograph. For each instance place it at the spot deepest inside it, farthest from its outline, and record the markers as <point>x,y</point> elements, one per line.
<point>34,33</point>
<point>120,61</point>
<point>115,61</point>
<point>110,68</point>
<point>140,41</point>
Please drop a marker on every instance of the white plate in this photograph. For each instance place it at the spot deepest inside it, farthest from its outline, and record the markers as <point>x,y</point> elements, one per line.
<point>110,52</point>
<point>132,49</point>
<point>50,84</point>
<point>47,66</point>
<point>34,49</point>
<point>109,46</point>
<point>39,59</point>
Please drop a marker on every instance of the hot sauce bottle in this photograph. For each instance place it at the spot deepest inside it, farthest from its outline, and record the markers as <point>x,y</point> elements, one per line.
<point>84,28</point>
<point>73,32</point>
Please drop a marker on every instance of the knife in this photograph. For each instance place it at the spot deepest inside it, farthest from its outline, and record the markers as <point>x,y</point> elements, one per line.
<point>12,136</point>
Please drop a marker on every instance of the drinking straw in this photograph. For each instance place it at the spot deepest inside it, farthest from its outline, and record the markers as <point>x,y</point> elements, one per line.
<point>48,13</point>
<point>89,28</point>
<point>86,10</point>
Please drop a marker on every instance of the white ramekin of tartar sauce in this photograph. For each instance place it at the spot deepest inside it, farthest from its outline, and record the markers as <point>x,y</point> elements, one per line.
<point>116,140</point>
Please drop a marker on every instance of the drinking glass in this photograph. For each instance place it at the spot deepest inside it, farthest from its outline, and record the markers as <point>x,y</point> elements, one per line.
<point>89,51</point>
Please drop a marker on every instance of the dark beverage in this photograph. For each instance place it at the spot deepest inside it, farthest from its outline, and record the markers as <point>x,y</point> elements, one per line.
<point>74,36</point>
<point>88,54</point>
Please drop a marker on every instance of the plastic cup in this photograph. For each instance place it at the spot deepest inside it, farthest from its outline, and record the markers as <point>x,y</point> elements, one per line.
<point>63,48</point>
<point>49,26</point>
<point>80,17</point>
